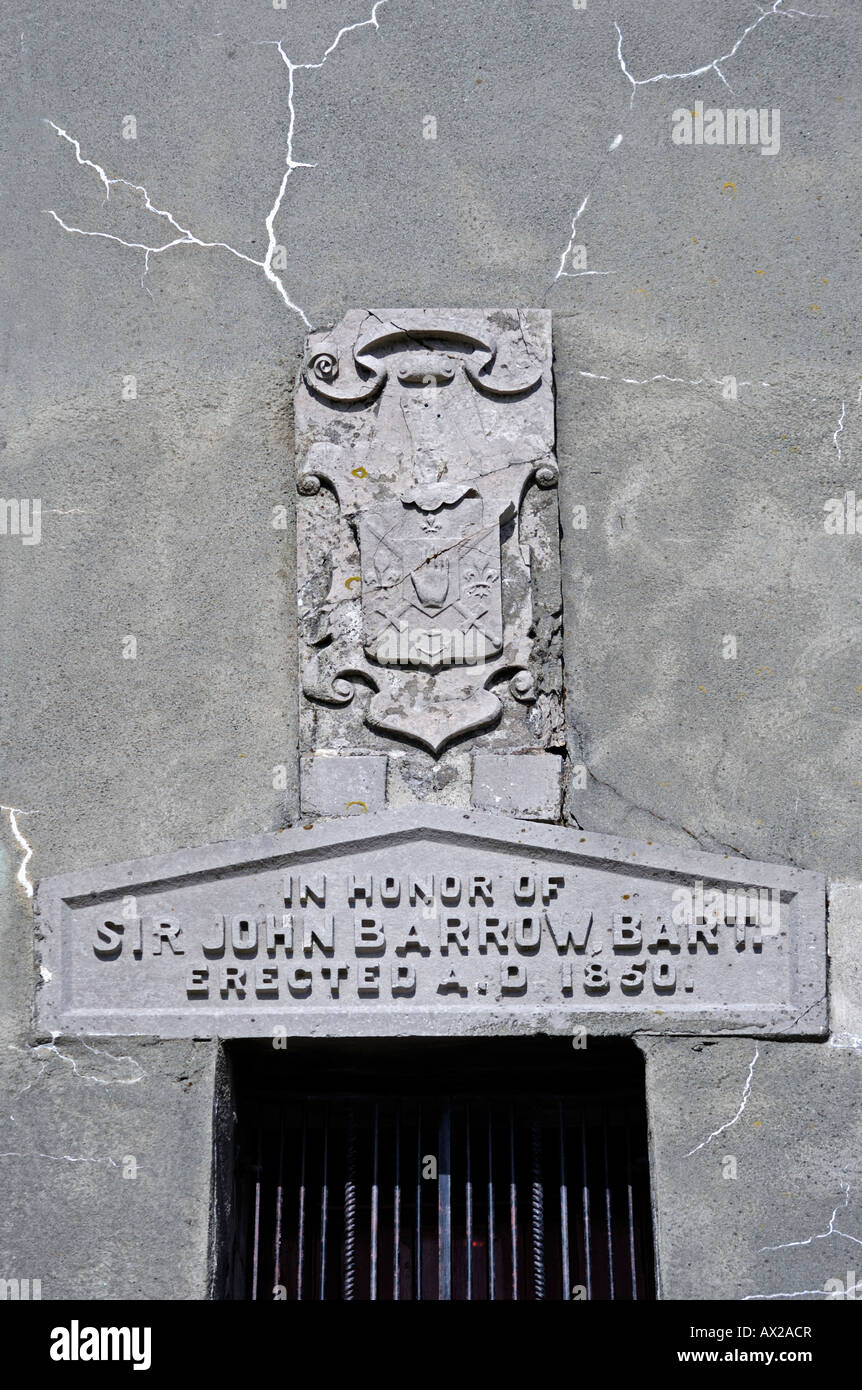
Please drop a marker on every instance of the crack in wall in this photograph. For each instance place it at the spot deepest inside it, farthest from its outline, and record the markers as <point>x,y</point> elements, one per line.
<point>562,273</point>
<point>746,1094</point>
<point>22,877</point>
<point>676,825</point>
<point>676,380</point>
<point>59,1158</point>
<point>187,237</point>
<point>715,64</point>
<point>831,1230</point>
<point>840,429</point>
<point>52,1050</point>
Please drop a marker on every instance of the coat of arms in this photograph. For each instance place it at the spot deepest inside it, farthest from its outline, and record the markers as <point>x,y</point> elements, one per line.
<point>422,589</point>
<point>431,592</point>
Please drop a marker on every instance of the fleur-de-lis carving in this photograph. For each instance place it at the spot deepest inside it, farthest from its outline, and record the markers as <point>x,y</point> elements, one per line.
<point>385,566</point>
<point>478,581</point>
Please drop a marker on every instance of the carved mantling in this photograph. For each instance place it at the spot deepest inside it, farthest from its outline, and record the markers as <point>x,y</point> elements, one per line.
<point>428,428</point>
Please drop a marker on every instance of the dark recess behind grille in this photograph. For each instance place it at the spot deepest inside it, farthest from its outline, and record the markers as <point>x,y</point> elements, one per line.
<point>542,1182</point>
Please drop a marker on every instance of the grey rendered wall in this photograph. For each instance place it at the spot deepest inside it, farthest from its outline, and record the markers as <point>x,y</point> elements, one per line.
<point>704,514</point>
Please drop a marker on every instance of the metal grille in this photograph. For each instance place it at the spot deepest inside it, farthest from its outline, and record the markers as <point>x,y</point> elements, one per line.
<point>370,1195</point>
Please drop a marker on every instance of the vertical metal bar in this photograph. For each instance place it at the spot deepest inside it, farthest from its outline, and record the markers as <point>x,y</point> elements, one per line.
<point>396,1213</point>
<point>324,1202</point>
<point>468,1220</point>
<point>254,1267</point>
<point>417,1291</point>
<point>513,1204</point>
<point>374,1207</point>
<point>300,1236</point>
<point>631,1209</point>
<point>350,1211</point>
<point>492,1280</point>
<point>585,1200</point>
<point>279,1199</point>
<point>564,1212</point>
<point>537,1200</point>
<point>444,1203</point>
<point>608,1224</point>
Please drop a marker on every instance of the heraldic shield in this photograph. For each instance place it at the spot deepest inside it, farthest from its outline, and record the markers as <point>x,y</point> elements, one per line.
<point>428,533</point>
<point>431,585</point>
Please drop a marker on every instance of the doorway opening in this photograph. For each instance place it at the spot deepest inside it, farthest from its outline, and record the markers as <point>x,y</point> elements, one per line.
<point>492,1170</point>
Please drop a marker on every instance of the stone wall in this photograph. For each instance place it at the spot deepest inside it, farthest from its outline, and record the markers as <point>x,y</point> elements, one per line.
<point>707,411</point>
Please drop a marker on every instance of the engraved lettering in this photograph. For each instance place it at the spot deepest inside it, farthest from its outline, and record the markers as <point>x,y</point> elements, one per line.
<point>513,979</point>
<point>279,937</point>
<point>232,978</point>
<point>335,974</point>
<point>216,947</point>
<point>480,887</point>
<point>454,932</point>
<point>570,929</point>
<point>525,889</point>
<point>527,934</point>
<point>110,934</point>
<point>266,981</point>
<point>166,929</point>
<point>627,932</point>
<point>369,981</point>
<point>299,982</point>
<point>666,936</point>
<point>596,978</point>
<point>421,888</point>
<point>243,936</point>
<point>632,981</point>
<point>705,932</point>
<point>551,884</point>
<point>360,888</point>
<point>368,935</point>
<point>197,986</point>
<point>390,891</point>
<point>404,981</point>
<point>492,929</point>
<point>320,934</point>
<point>450,890</point>
<point>414,940</point>
<point>664,976</point>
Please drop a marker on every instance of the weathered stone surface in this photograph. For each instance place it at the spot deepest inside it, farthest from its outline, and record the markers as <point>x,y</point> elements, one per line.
<point>705,512</point>
<point>343,785</point>
<point>414,779</point>
<point>99,1141</point>
<point>428,567</point>
<point>754,1162</point>
<point>433,921</point>
<point>518,784</point>
<point>845,962</point>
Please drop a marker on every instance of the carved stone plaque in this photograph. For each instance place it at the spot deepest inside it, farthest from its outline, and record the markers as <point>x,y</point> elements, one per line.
<point>428,533</point>
<point>433,921</point>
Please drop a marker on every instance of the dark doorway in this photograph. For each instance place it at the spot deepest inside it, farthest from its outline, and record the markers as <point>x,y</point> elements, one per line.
<point>494,1170</point>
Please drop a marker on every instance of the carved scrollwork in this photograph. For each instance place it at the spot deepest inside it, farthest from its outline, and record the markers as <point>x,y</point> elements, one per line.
<point>323,366</point>
<point>522,687</point>
<point>431,600</point>
<point>548,473</point>
<point>358,373</point>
